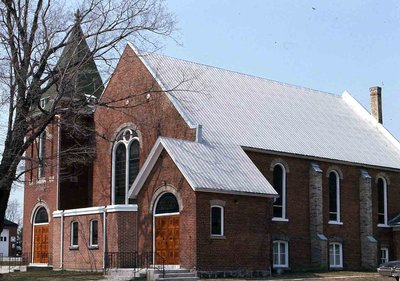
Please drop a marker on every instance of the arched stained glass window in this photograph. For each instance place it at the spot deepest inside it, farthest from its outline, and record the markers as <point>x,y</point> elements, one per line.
<point>279,180</point>
<point>125,164</point>
<point>120,169</point>
<point>41,216</point>
<point>382,202</point>
<point>167,204</point>
<point>133,161</point>
<point>334,197</point>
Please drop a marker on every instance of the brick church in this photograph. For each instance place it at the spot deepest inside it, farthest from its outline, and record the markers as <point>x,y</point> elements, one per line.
<point>213,171</point>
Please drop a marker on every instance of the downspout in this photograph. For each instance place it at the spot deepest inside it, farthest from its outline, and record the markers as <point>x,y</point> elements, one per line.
<point>62,241</point>
<point>58,159</point>
<point>104,239</point>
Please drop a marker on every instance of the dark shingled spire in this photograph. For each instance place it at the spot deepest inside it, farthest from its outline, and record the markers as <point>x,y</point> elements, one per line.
<point>80,76</point>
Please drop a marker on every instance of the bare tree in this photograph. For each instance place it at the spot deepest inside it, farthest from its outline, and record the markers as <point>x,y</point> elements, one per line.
<point>14,212</point>
<point>33,36</point>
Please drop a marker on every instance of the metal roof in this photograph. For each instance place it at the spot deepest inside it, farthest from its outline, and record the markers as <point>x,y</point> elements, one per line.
<point>253,112</point>
<point>208,167</point>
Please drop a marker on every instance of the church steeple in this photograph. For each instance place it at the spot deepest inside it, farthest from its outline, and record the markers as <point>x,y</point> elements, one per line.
<point>80,76</point>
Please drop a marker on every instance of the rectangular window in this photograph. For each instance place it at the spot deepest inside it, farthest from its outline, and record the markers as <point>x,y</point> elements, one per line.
<point>335,255</point>
<point>384,255</point>
<point>217,221</point>
<point>280,254</point>
<point>74,234</point>
<point>94,233</point>
<point>5,239</point>
<point>42,154</point>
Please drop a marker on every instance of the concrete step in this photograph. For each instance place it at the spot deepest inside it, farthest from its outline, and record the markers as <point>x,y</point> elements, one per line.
<point>179,274</point>
<point>38,268</point>
<point>182,270</point>
<point>193,278</point>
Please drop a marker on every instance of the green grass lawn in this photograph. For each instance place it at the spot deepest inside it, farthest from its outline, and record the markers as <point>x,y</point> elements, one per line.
<point>51,276</point>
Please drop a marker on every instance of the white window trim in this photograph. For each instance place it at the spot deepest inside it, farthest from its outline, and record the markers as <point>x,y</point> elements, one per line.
<point>386,250</point>
<point>127,144</point>
<point>72,235</point>
<point>222,221</point>
<point>334,244</point>
<point>385,214</point>
<point>91,234</point>
<point>338,210</point>
<point>286,265</point>
<point>283,218</point>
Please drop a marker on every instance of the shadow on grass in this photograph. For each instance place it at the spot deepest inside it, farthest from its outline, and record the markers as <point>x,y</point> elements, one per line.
<point>51,276</point>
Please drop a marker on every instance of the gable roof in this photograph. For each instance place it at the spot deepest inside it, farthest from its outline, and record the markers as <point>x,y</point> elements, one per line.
<point>208,167</point>
<point>258,113</point>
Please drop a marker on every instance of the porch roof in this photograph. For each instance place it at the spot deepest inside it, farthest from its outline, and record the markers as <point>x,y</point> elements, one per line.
<point>208,167</point>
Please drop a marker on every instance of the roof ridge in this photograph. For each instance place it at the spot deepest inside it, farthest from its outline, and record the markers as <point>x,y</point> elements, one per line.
<point>241,73</point>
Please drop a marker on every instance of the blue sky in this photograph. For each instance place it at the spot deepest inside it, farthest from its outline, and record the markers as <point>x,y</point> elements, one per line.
<point>325,45</point>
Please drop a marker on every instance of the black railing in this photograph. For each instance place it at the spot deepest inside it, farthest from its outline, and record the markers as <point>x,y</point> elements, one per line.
<point>13,263</point>
<point>135,261</point>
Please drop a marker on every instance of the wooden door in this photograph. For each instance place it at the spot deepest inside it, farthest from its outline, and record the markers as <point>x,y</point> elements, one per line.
<point>167,239</point>
<point>41,244</point>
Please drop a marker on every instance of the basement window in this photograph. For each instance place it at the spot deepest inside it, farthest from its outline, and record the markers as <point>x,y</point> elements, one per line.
<point>335,255</point>
<point>280,254</point>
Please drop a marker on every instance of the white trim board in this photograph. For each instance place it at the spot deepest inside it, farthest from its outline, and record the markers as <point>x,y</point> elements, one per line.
<point>95,210</point>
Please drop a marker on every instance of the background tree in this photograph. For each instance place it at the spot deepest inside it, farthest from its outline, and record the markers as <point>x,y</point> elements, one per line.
<point>33,34</point>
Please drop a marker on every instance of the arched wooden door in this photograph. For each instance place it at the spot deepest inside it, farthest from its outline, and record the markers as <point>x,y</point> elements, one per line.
<point>41,236</point>
<point>166,225</point>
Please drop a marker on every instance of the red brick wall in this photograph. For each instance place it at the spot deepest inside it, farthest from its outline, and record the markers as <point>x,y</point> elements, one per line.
<point>44,190</point>
<point>85,257</point>
<point>246,242</point>
<point>153,118</point>
<point>164,173</point>
<point>297,228</point>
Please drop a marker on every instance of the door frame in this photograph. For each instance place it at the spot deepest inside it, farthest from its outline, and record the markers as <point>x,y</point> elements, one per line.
<point>154,224</point>
<point>34,214</point>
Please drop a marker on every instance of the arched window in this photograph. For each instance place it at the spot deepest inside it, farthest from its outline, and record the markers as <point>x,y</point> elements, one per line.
<point>125,164</point>
<point>334,197</point>
<point>279,181</point>
<point>382,202</point>
<point>280,254</point>
<point>41,216</point>
<point>167,204</point>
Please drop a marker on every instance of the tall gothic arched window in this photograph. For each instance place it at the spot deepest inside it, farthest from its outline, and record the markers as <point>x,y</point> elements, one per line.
<point>279,180</point>
<point>126,155</point>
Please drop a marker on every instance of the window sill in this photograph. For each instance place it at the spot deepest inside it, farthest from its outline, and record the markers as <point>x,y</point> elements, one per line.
<point>74,248</point>
<point>336,267</point>
<point>218,237</point>
<point>335,222</point>
<point>94,247</point>
<point>41,180</point>
<point>383,225</point>
<point>280,219</point>
<point>286,267</point>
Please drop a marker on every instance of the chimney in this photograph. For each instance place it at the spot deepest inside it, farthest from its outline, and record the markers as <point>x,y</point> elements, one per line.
<point>376,103</point>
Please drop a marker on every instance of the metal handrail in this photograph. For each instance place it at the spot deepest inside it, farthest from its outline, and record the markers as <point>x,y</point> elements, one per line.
<point>134,260</point>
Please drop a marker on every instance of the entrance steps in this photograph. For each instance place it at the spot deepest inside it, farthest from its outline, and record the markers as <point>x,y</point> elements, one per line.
<point>176,275</point>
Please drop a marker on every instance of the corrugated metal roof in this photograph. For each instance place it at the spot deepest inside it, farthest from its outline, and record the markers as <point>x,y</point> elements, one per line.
<point>235,108</point>
<point>217,167</point>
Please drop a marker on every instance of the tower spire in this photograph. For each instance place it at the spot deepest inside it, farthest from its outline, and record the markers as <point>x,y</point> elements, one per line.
<point>78,16</point>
